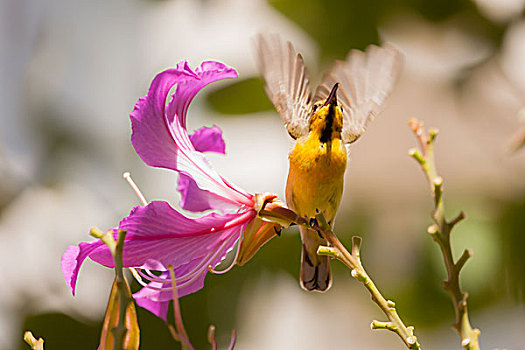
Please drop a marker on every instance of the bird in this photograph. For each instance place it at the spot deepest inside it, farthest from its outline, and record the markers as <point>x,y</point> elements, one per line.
<point>323,125</point>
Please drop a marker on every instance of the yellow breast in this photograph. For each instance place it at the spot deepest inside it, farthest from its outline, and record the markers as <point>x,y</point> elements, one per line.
<point>315,179</point>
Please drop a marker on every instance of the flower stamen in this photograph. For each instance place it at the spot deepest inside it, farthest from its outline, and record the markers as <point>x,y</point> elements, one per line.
<point>188,278</point>
<point>135,188</point>
<point>212,270</point>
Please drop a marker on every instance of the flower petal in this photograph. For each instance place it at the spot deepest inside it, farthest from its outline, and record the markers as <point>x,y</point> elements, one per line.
<point>192,197</point>
<point>159,232</point>
<point>151,136</point>
<point>195,199</point>
<point>208,72</point>
<point>196,166</point>
<point>208,140</point>
<point>155,301</point>
<point>73,258</point>
<point>189,245</point>
<point>158,308</point>
<point>159,236</point>
<point>159,134</point>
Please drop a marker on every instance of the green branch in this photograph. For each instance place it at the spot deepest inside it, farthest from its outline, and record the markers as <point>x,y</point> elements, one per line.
<point>276,211</point>
<point>353,262</point>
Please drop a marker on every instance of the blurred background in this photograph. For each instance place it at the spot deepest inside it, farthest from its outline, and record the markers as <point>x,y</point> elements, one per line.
<point>72,70</point>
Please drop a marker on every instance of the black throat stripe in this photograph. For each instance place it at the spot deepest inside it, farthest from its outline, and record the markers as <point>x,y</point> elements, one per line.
<point>326,134</point>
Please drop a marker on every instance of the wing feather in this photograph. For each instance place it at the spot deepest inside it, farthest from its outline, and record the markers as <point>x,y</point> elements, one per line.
<point>286,82</point>
<point>366,79</point>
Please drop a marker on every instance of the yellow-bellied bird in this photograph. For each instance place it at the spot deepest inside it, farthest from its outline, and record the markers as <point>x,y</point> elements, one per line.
<point>350,95</point>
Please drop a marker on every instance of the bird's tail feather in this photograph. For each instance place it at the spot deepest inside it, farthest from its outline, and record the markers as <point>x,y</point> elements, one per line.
<point>315,269</point>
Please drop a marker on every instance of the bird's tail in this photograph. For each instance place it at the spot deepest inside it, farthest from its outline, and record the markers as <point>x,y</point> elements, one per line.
<point>315,269</point>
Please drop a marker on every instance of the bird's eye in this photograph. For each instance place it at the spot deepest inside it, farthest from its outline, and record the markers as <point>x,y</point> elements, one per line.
<point>314,108</point>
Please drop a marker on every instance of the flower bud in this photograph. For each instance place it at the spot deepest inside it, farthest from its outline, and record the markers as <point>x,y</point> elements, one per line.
<point>270,208</point>
<point>272,213</point>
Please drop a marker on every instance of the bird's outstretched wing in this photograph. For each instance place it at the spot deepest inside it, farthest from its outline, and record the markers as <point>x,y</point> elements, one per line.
<point>286,81</point>
<point>366,79</point>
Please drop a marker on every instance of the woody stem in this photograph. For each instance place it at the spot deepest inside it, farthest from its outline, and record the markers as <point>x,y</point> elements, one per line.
<point>440,232</point>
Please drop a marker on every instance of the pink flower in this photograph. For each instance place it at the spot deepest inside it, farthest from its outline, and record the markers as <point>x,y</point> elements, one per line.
<point>158,235</point>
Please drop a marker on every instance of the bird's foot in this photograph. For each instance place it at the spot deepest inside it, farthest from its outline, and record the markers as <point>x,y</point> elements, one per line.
<point>315,225</point>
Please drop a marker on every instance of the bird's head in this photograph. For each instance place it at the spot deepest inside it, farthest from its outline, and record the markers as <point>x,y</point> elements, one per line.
<point>326,121</point>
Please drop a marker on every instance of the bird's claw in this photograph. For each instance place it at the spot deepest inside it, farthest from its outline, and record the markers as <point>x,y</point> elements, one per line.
<point>315,225</point>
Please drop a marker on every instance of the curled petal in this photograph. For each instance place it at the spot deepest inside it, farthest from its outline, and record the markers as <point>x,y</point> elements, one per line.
<point>73,258</point>
<point>208,72</point>
<point>151,135</point>
<point>159,133</point>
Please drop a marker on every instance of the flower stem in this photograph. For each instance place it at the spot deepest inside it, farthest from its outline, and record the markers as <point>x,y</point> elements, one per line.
<point>180,333</point>
<point>213,341</point>
<point>126,307</point>
<point>124,300</point>
<point>440,232</point>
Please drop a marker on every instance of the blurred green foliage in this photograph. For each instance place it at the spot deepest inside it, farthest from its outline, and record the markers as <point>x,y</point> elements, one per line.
<point>336,25</point>
<point>60,331</point>
<point>240,97</point>
<point>424,302</point>
<point>511,226</point>
<point>340,25</point>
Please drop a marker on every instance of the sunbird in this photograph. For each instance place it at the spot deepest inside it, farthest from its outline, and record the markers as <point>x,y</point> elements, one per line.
<point>349,96</point>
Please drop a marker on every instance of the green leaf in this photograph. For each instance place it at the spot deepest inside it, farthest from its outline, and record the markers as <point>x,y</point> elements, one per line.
<point>240,97</point>
<point>336,25</point>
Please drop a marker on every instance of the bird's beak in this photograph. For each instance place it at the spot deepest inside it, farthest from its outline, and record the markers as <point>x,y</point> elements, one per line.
<point>332,98</point>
